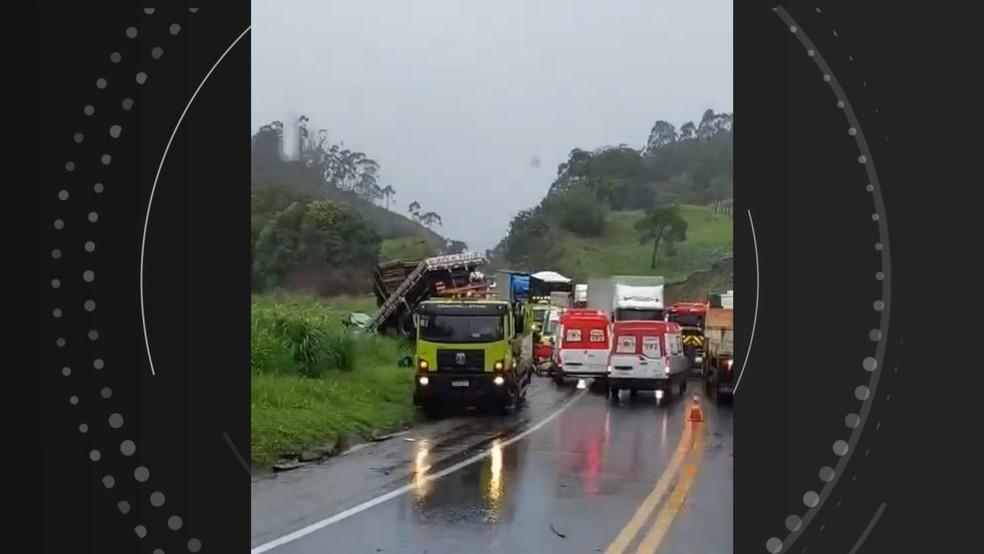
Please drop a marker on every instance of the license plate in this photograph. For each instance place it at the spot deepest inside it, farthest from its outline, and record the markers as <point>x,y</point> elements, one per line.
<point>463,383</point>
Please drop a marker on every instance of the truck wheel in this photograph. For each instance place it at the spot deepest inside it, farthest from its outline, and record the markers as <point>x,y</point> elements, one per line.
<point>683,387</point>
<point>431,411</point>
<point>506,405</point>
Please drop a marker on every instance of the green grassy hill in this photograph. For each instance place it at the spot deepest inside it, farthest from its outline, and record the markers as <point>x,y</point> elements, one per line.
<point>618,251</point>
<point>388,224</point>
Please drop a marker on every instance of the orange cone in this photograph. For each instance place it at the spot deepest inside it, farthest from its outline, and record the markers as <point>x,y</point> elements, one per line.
<point>695,412</point>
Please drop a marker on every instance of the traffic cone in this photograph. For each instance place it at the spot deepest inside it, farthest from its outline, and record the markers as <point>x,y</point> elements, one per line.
<point>695,412</point>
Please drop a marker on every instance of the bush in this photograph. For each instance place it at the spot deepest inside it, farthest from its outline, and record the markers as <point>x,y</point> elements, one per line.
<point>582,213</point>
<point>293,335</point>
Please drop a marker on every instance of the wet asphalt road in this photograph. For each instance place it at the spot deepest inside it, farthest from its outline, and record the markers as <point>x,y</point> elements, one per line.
<point>632,476</point>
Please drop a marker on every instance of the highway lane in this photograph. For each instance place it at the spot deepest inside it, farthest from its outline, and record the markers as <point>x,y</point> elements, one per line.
<point>571,472</point>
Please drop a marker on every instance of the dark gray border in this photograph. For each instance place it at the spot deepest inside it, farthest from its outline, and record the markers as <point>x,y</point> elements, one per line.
<point>852,119</point>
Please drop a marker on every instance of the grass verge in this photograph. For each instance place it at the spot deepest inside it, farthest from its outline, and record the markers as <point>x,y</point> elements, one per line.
<point>313,382</point>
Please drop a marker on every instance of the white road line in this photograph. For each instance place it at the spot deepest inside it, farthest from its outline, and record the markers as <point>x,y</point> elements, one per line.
<point>304,531</point>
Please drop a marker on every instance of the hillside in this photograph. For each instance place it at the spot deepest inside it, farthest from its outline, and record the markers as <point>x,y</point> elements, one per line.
<point>664,209</point>
<point>720,277</point>
<point>387,224</point>
<point>618,250</point>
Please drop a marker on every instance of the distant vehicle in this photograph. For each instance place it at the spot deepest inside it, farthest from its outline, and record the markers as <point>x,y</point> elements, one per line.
<point>472,352</point>
<point>628,297</point>
<point>581,295</point>
<point>690,316</point>
<point>543,352</point>
<point>719,330</point>
<point>585,344</point>
<point>647,356</point>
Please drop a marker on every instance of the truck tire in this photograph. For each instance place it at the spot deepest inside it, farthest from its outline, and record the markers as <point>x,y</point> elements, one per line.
<point>683,386</point>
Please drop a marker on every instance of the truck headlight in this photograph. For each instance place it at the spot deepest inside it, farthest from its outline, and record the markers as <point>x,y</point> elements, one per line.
<point>499,380</point>
<point>729,363</point>
<point>422,364</point>
<point>698,359</point>
<point>499,365</point>
<point>423,381</point>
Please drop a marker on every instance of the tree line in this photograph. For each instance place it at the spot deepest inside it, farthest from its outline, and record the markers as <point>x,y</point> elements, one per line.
<point>339,168</point>
<point>306,226</point>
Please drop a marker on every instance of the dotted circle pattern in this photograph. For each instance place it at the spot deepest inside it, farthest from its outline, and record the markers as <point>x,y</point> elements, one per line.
<point>841,448</point>
<point>127,447</point>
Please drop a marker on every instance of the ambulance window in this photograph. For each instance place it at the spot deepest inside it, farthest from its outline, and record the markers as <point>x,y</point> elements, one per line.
<point>626,345</point>
<point>573,335</point>
<point>597,335</point>
<point>650,346</point>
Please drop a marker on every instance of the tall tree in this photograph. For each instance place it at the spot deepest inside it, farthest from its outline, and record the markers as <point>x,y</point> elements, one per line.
<point>388,193</point>
<point>662,225</point>
<point>430,218</point>
<point>661,135</point>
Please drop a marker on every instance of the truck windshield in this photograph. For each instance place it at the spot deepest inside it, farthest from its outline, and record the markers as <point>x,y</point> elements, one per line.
<point>461,328</point>
<point>636,314</point>
<point>688,320</point>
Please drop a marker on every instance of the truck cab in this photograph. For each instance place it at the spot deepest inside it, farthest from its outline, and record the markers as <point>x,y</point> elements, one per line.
<point>473,352</point>
<point>638,303</point>
<point>647,356</point>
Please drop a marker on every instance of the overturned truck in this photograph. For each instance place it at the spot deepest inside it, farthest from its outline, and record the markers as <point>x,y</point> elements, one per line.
<point>401,285</point>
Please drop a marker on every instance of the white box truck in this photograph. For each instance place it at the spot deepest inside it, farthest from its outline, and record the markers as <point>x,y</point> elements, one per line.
<point>628,297</point>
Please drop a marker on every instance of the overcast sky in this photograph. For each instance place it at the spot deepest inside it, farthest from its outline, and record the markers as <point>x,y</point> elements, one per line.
<point>455,98</point>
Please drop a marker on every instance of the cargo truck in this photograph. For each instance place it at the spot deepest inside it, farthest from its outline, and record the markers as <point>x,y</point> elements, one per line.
<point>628,297</point>
<point>720,375</point>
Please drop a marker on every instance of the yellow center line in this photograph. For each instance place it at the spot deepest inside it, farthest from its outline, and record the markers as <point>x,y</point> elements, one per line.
<point>674,504</point>
<point>625,537</point>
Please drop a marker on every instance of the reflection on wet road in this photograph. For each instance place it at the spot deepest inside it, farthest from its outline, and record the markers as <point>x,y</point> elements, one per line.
<point>631,476</point>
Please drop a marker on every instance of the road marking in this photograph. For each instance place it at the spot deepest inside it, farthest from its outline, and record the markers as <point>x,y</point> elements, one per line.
<point>673,505</point>
<point>627,534</point>
<point>304,531</point>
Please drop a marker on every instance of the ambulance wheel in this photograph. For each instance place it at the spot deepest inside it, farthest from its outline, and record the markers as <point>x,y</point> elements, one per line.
<point>683,387</point>
<point>633,393</point>
<point>613,393</point>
